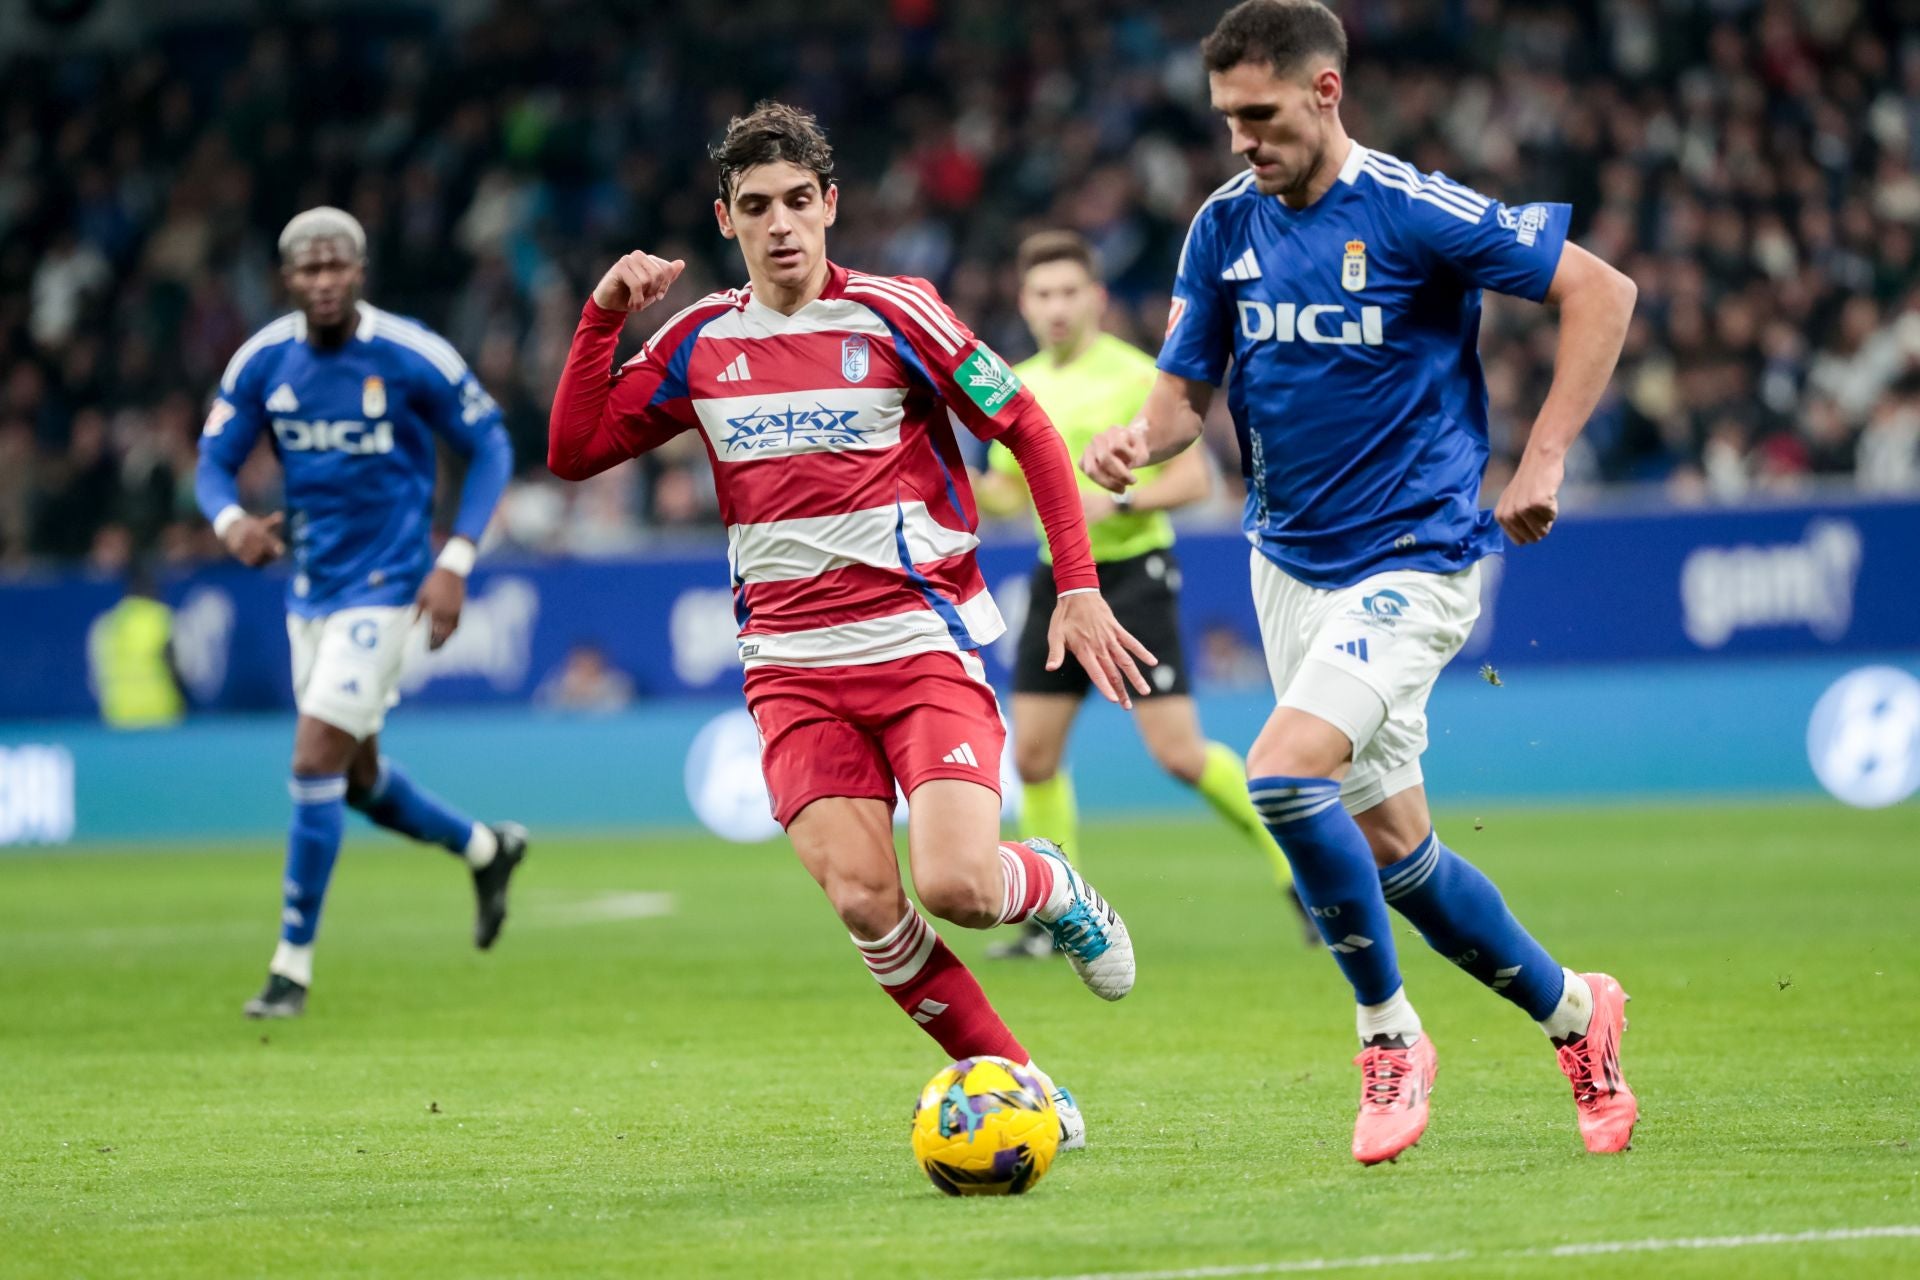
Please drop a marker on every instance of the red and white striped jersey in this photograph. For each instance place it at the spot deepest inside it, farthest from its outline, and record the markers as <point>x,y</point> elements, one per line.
<point>850,519</point>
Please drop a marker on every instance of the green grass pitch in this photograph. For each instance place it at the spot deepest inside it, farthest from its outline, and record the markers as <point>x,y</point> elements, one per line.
<point>709,1084</point>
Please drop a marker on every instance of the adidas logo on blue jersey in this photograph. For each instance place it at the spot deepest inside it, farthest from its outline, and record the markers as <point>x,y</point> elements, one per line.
<point>1246,267</point>
<point>1356,648</point>
<point>283,400</point>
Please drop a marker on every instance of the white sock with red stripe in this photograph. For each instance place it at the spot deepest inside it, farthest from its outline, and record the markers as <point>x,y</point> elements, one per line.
<point>1032,885</point>
<point>929,983</point>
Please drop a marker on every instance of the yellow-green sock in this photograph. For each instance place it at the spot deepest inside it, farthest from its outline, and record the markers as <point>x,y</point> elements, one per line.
<point>1047,809</point>
<point>1224,784</point>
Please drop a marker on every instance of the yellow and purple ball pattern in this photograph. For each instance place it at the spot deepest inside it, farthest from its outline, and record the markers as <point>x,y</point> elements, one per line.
<point>985,1127</point>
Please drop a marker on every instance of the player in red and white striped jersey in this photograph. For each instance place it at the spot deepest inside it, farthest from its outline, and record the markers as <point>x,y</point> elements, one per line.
<point>827,400</point>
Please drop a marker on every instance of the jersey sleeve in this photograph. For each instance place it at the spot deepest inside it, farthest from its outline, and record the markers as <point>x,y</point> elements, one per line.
<point>980,389</point>
<point>459,410</point>
<point>600,420</point>
<point>1512,249</point>
<point>234,423</point>
<point>1200,317</point>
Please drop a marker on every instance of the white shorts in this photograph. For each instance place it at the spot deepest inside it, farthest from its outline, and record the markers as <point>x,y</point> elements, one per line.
<point>1391,633</point>
<point>346,665</point>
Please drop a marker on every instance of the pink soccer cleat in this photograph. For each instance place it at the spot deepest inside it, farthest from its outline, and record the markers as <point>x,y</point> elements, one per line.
<point>1395,1084</point>
<point>1606,1105</point>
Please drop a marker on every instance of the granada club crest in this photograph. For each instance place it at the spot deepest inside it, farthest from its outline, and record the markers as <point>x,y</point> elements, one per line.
<point>855,358</point>
<point>373,398</point>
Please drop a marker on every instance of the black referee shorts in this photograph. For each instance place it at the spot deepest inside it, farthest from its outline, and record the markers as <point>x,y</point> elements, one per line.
<point>1144,594</point>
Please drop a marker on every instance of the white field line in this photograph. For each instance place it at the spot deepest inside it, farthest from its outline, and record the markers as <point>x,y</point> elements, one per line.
<point>604,907</point>
<point>543,910</point>
<point>1367,1262</point>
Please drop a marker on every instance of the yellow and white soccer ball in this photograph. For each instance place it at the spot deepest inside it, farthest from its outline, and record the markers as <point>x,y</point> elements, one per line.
<point>985,1127</point>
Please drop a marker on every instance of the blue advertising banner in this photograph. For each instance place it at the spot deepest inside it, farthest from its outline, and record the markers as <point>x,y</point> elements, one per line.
<point>1607,587</point>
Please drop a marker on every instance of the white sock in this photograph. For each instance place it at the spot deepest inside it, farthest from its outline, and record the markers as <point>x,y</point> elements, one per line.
<point>1393,1016</point>
<point>1574,1014</point>
<point>1059,898</point>
<point>481,846</point>
<point>295,962</point>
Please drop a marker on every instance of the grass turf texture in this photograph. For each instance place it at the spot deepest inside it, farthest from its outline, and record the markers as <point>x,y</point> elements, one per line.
<point>723,1091</point>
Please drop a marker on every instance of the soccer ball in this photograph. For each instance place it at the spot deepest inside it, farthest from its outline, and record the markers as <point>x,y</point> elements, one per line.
<point>985,1127</point>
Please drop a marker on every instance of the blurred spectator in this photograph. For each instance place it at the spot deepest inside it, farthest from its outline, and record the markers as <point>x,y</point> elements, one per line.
<point>1754,164</point>
<point>585,683</point>
<point>1227,661</point>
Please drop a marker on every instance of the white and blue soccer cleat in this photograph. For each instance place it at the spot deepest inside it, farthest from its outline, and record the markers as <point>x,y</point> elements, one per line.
<point>1089,931</point>
<point>1073,1125</point>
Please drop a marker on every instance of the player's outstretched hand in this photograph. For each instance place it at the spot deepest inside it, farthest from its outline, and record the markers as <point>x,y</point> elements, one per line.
<point>441,598</point>
<point>636,282</point>
<point>1111,456</point>
<point>256,540</point>
<point>1531,501</point>
<point>1085,625</point>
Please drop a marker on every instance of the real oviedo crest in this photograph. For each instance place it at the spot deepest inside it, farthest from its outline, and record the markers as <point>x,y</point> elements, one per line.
<point>855,358</point>
<point>1353,267</point>
<point>373,398</point>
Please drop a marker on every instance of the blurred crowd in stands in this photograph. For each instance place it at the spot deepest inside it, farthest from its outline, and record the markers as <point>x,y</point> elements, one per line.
<point>1754,166</point>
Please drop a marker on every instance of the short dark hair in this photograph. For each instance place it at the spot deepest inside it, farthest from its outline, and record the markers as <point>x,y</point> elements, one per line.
<point>1043,247</point>
<point>1281,33</point>
<point>768,134</point>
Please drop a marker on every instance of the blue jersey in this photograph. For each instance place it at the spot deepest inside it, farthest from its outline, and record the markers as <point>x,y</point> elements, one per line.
<point>354,429</point>
<point>1353,329</point>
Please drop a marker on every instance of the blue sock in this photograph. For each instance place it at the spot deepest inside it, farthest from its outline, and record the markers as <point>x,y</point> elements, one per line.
<point>1464,918</point>
<point>1334,874</point>
<point>319,816</point>
<point>396,804</point>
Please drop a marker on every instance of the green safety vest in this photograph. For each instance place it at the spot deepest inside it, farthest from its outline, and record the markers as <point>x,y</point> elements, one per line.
<point>127,653</point>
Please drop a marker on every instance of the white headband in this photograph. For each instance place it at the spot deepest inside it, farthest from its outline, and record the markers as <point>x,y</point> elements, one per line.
<point>324,223</point>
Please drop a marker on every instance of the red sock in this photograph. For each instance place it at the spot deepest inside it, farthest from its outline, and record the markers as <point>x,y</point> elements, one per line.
<point>1029,879</point>
<point>928,981</point>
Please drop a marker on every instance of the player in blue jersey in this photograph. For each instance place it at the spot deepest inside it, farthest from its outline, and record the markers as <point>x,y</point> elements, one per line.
<point>1342,287</point>
<point>352,399</point>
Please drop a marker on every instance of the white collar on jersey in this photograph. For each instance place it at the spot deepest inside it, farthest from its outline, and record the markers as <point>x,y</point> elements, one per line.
<point>362,331</point>
<point>1355,158</point>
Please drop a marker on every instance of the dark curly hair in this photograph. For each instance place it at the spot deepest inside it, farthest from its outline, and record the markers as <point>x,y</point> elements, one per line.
<point>772,132</point>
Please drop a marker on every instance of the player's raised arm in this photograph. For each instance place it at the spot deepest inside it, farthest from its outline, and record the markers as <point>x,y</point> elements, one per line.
<point>599,421</point>
<point>1596,304</point>
<point>1523,250</point>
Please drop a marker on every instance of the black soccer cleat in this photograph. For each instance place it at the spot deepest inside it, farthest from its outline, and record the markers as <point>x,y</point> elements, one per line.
<point>490,883</point>
<point>282,997</point>
<point>1034,943</point>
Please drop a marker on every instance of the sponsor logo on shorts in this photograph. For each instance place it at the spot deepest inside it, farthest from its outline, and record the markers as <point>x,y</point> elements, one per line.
<point>962,754</point>
<point>1385,604</point>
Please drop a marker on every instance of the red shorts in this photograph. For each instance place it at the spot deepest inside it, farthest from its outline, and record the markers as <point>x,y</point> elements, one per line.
<point>852,731</point>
